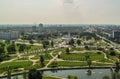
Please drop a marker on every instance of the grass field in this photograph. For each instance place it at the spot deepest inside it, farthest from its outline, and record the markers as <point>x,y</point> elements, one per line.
<point>45,56</point>
<point>74,64</point>
<point>9,57</point>
<point>76,49</point>
<point>55,52</point>
<point>46,77</point>
<point>105,60</point>
<point>81,56</point>
<point>35,66</point>
<point>15,65</point>
<point>24,64</point>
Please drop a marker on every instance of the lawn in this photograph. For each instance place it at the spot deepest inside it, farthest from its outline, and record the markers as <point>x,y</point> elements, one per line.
<point>34,47</point>
<point>15,65</point>
<point>76,64</point>
<point>71,64</point>
<point>31,48</point>
<point>81,56</point>
<point>23,58</point>
<point>76,49</point>
<point>55,52</point>
<point>9,57</point>
<point>46,56</point>
<point>105,60</point>
<point>46,77</point>
<point>101,43</point>
<point>37,65</point>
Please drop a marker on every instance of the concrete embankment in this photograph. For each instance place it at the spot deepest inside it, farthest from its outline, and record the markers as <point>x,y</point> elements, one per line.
<point>83,67</point>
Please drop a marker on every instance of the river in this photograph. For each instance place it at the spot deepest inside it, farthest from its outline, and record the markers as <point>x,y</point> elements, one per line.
<point>80,73</point>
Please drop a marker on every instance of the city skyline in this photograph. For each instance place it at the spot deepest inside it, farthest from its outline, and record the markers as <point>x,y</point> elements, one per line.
<point>59,11</point>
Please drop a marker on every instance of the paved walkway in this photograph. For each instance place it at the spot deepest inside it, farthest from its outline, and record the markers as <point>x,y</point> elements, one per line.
<point>53,59</point>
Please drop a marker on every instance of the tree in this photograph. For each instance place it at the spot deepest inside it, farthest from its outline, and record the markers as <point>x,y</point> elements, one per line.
<point>54,64</point>
<point>2,52</point>
<point>8,73</point>
<point>75,77</point>
<point>67,50</point>
<point>72,77</point>
<point>69,76</point>
<point>117,66</point>
<point>119,56</point>
<point>34,74</point>
<point>78,42</point>
<point>22,47</point>
<point>86,47</point>
<point>45,44</point>
<point>11,48</point>
<point>106,77</point>
<point>52,43</point>
<point>31,42</point>
<point>1,56</point>
<point>58,56</point>
<point>7,41</point>
<point>89,72</point>
<point>112,52</point>
<point>42,60</point>
<point>2,48</point>
<point>87,56</point>
<point>16,77</point>
<point>71,42</point>
<point>25,75</point>
<point>27,48</point>
<point>89,62</point>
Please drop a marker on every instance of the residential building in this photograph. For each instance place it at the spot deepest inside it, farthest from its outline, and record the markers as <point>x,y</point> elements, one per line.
<point>9,35</point>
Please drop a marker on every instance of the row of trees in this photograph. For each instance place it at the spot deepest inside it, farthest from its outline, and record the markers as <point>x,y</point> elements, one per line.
<point>2,51</point>
<point>87,56</point>
<point>72,42</point>
<point>11,48</point>
<point>46,44</point>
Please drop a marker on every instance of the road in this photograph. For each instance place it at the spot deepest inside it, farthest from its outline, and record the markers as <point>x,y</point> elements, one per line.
<point>112,43</point>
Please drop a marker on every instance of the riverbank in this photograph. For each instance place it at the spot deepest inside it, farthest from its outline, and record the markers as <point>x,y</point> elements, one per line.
<point>62,68</point>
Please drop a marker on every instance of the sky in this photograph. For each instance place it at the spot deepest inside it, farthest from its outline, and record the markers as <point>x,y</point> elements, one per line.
<point>60,11</point>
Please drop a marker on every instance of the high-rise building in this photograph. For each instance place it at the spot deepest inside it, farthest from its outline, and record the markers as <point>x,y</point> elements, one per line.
<point>40,28</point>
<point>116,34</point>
<point>34,28</point>
<point>40,25</point>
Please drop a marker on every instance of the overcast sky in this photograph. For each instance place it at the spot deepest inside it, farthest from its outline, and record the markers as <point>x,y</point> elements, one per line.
<point>60,11</point>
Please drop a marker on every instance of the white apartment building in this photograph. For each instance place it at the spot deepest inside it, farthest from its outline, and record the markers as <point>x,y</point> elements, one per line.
<point>9,35</point>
